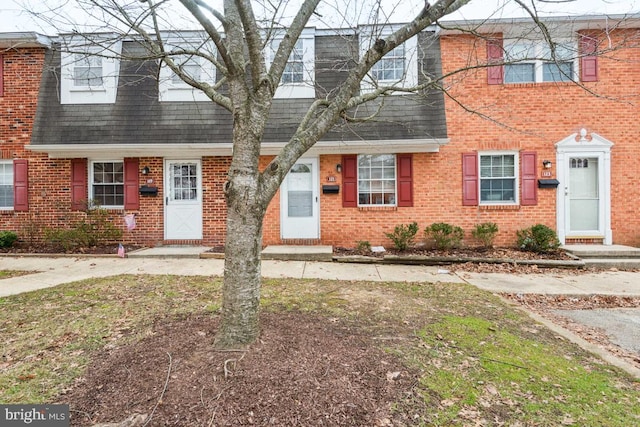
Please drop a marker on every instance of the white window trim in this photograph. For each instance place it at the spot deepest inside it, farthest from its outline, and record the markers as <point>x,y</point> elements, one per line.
<point>537,61</point>
<point>104,94</point>
<point>306,88</point>
<point>182,92</point>
<point>368,36</point>
<point>91,180</point>
<point>395,171</point>
<point>9,162</point>
<point>516,187</point>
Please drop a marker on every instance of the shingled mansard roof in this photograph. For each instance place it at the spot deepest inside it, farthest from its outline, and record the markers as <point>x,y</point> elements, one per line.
<point>138,124</point>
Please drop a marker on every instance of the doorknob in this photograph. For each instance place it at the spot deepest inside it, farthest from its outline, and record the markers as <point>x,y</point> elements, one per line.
<point>566,191</point>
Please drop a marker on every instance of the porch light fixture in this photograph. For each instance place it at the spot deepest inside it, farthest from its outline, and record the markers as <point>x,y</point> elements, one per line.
<point>338,168</point>
<point>145,170</point>
<point>547,164</point>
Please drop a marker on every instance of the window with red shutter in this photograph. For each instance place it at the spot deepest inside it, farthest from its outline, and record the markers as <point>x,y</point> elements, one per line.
<point>78,184</point>
<point>20,185</point>
<point>350,181</point>
<point>528,181</point>
<point>495,54</point>
<point>588,59</point>
<point>469,179</point>
<point>405,180</point>
<point>131,191</point>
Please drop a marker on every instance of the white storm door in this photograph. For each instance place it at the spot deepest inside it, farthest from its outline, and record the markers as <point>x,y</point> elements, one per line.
<point>583,201</point>
<point>299,202</point>
<point>183,200</point>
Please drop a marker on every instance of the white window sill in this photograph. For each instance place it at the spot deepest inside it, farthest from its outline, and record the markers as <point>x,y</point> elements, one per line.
<point>87,89</point>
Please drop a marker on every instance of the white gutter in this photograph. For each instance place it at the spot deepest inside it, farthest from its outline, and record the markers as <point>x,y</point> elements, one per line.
<point>185,150</point>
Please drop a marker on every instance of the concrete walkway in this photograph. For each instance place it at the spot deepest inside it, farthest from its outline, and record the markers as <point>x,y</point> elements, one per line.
<point>52,271</point>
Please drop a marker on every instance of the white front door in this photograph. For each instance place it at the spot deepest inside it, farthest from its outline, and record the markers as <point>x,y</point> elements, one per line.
<point>183,200</point>
<point>299,203</point>
<point>583,197</point>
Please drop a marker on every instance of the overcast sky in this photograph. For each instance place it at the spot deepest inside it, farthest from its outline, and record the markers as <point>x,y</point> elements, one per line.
<point>14,18</point>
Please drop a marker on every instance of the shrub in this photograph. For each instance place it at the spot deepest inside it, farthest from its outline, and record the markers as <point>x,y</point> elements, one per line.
<point>94,230</point>
<point>7,239</point>
<point>485,233</point>
<point>445,236</point>
<point>403,235</point>
<point>538,238</point>
<point>363,246</point>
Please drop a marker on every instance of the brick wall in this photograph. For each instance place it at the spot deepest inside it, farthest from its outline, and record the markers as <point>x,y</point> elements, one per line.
<point>518,117</point>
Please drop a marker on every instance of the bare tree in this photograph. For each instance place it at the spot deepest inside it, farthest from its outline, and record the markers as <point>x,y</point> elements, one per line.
<point>235,42</point>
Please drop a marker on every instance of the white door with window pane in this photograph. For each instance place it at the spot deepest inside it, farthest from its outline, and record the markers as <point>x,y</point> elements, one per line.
<point>583,196</point>
<point>183,200</point>
<point>299,203</point>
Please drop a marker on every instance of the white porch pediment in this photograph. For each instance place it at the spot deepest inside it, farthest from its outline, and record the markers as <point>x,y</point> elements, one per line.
<point>584,142</point>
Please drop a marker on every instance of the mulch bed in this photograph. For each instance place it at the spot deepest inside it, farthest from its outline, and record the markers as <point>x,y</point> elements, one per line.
<point>42,248</point>
<point>466,252</point>
<point>304,371</point>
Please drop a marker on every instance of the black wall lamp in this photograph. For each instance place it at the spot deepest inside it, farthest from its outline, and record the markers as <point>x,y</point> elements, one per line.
<point>145,170</point>
<point>547,164</point>
<point>338,168</point>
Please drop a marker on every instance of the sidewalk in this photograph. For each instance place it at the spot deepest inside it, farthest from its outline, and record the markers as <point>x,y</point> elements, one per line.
<point>54,271</point>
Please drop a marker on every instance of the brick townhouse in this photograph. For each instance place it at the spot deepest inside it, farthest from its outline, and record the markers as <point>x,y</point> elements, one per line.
<point>517,142</point>
<point>25,187</point>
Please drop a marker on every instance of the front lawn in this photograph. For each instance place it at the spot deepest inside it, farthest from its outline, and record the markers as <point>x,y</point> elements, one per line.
<point>331,353</point>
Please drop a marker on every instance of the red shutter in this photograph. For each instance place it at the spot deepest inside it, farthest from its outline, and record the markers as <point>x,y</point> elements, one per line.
<point>495,54</point>
<point>529,187</point>
<point>588,59</point>
<point>350,181</point>
<point>405,180</point>
<point>79,184</point>
<point>20,185</point>
<point>469,179</point>
<point>131,193</point>
<point>1,75</point>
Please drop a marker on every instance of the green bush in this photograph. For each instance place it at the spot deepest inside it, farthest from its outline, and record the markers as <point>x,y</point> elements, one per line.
<point>363,246</point>
<point>485,233</point>
<point>403,235</point>
<point>445,236</point>
<point>538,238</point>
<point>7,239</point>
<point>96,229</point>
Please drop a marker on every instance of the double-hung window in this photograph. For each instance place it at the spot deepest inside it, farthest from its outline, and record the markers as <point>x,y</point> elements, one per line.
<point>87,71</point>
<point>189,65</point>
<point>498,178</point>
<point>194,56</point>
<point>377,179</point>
<point>399,67</point>
<point>294,70</point>
<point>107,183</point>
<point>6,185</point>
<point>298,76</point>
<point>534,61</point>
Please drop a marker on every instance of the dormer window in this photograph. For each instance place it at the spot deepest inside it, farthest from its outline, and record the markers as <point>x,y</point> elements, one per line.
<point>172,88</point>
<point>294,70</point>
<point>391,67</point>
<point>298,77</point>
<point>399,67</point>
<point>89,72</point>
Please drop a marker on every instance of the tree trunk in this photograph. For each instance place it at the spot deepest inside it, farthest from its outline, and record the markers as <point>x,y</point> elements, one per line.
<point>242,274</point>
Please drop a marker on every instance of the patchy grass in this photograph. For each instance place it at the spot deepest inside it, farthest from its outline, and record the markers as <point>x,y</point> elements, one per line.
<point>5,274</point>
<point>480,362</point>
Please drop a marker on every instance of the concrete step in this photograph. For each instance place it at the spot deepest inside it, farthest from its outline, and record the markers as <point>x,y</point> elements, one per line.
<point>603,251</point>
<point>619,263</point>
<point>298,253</point>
